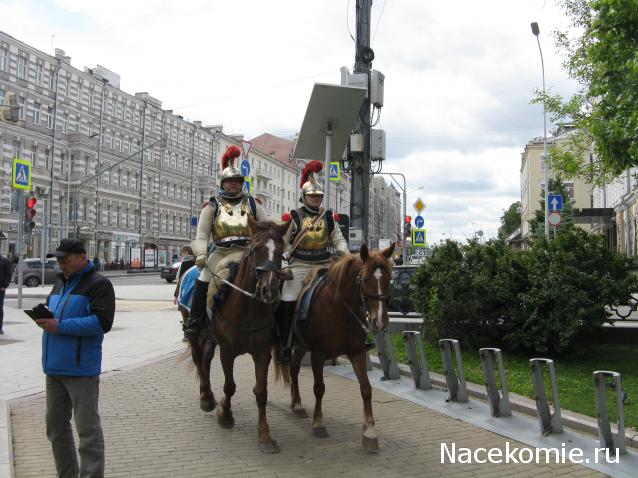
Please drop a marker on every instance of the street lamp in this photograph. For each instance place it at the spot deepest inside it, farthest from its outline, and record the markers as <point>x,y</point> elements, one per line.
<point>536,31</point>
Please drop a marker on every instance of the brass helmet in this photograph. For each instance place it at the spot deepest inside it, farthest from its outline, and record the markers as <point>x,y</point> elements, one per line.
<point>229,171</point>
<point>309,183</point>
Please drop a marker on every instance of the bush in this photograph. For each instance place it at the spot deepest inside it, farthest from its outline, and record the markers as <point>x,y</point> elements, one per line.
<point>548,299</point>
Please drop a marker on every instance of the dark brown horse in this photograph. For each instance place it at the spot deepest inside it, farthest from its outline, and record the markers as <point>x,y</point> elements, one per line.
<point>352,303</point>
<point>244,324</point>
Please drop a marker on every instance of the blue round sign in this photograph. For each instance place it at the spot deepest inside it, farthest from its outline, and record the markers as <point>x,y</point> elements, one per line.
<point>245,167</point>
<point>418,222</point>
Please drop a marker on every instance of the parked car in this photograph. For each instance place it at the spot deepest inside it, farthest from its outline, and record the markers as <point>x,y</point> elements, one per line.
<point>401,288</point>
<point>169,273</point>
<point>33,272</point>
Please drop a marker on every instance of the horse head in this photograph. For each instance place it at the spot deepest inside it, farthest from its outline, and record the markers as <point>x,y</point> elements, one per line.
<point>375,276</point>
<point>267,248</point>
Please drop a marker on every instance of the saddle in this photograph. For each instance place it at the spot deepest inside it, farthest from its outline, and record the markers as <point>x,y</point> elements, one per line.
<point>312,283</point>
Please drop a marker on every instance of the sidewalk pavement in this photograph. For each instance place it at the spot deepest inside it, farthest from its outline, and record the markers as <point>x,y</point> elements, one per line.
<point>154,427</point>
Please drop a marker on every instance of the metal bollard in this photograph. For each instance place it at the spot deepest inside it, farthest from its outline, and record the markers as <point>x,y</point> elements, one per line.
<point>550,423</point>
<point>418,364</point>
<point>457,388</point>
<point>499,402</point>
<point>607,439</point>
<point>388,360</point>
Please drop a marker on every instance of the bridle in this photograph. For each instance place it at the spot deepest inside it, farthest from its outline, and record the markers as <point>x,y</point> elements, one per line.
<point>266,266</point>
<point>366,323</point>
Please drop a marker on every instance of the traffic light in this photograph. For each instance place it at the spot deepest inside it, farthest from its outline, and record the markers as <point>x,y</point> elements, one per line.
<point>407,230</point>
<point>10,111</point>
<point>408,219</point>
<point>29,214</point>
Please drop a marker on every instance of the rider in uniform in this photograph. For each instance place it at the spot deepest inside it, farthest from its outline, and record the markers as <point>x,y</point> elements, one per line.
<point>225,219</point>
<point>312,231</point>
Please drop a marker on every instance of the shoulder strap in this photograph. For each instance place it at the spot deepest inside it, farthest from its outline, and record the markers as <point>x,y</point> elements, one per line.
<point>253,206</point>
<point>214,202</point>
<point>330,220</point>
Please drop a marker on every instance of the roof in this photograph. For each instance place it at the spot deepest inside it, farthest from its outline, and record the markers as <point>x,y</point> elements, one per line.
<point>274,146</point>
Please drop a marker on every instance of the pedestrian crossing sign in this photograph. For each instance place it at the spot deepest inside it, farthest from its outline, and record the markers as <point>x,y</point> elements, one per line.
<point>21,174</point>
<point>248,185</point>
<point>335,171</point>
<point>418,237</point>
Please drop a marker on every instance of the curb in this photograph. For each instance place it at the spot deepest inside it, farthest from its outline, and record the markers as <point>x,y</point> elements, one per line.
<point>527,406</point>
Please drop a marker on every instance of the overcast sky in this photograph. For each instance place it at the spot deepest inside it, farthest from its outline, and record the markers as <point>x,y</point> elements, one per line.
<point>459,77</point>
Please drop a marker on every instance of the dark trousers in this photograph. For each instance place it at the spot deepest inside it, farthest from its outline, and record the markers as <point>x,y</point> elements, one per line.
<point>1,308</point>
<point>77,396</point>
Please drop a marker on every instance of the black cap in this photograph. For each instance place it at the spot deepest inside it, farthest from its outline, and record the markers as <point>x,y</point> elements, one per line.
<point>68,246</point>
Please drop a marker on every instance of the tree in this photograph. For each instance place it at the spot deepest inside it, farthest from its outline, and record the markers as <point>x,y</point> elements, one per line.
<point>537,222</point>
<point>510,220</point>
<point>600,54</point>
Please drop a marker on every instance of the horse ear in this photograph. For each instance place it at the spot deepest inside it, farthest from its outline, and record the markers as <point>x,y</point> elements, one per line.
<point>363,252</point>
<point>251,225</point>
<point>389,250</point>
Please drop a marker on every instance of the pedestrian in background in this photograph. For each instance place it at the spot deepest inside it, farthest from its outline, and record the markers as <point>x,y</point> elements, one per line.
<point>83,305</point>
<point>5,280</point>
<point>188,261</point>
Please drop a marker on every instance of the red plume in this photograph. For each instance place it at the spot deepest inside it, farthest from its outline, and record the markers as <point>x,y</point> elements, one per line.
<point>285,217</point>
<point>313,166</point>
<point>231,153</point>
<point>336,217</point>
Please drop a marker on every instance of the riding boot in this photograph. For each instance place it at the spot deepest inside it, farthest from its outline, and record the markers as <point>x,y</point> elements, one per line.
<point>285,325</point>
<point>193,325</point>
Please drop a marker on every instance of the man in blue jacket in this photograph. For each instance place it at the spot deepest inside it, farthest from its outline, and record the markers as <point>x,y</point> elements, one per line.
<point>83,306</point>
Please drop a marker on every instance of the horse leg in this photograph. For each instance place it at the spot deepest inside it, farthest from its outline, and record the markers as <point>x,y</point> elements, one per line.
<point>319,388</point>
<point>224,413</point>
<point>369,438</point>
<point>266,443</point>
<point>297,408</point>
<point>198,354</point>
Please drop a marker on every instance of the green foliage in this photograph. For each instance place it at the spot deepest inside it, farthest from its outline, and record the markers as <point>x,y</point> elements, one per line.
<point>547,299</point>
<point>600,54</point>
<point>510,220</point>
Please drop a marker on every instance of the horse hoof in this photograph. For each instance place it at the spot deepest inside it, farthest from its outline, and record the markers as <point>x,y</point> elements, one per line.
<point>207,404</point>
<point>320,432</point>
<point>299,412</point>
<point>225,422</point>
<point>370,445</point>
<point>270,447</point>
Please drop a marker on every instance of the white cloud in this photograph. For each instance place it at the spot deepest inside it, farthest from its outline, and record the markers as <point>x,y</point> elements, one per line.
<point>459,76</point>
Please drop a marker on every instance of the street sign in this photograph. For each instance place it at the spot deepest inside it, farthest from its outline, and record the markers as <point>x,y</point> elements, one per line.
<point>555,202</point>
<point>419,205</point>
<point>335,171</point>
<point>245,167</point>
<point>418,237</point>
<point>21,174</point>
<point>193,221</point>
<point>245,147</point>
<point>247,187</point>
<point>555,218</point>
<point>418,222</point>
<point>421,252</point>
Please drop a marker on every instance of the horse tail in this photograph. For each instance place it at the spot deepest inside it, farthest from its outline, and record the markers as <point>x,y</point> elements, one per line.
<point>282,372</point>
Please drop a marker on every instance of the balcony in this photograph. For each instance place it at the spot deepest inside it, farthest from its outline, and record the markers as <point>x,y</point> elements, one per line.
<point>263,174</point>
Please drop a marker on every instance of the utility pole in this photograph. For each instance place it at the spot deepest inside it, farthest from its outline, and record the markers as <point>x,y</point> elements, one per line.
<point>360,190</point>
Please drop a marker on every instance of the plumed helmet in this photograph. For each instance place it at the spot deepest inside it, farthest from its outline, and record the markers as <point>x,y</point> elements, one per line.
<point>229,171</point>
<point>309,183</point>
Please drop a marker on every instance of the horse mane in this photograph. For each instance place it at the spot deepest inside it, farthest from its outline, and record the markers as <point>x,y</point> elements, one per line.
<point>341,270</point>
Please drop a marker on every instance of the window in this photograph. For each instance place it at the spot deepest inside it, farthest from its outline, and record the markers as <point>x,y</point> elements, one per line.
<point>22,66</point>
<point>65,122</point>
<point>85,209</point>
<point>50,117</point>
<point>34,154</point>
<point>569,187</point>
<point>91,97</point>
<point>80,84</point>
<point>51,78</point>
<point>36,113</point>
<point>21,111</point>
<point>4,59</point>
<point>39,70</point>
<point>1,96</point>
<point>108,214</point>
<point>77,124</point>
<point>47,155</point>
<point>15,149</point>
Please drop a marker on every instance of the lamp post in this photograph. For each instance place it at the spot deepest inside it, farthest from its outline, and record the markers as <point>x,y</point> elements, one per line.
<point>536,31</point>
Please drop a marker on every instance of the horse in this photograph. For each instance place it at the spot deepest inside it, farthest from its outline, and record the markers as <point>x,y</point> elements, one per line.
<point>245,325</point>
<point>352,303</point>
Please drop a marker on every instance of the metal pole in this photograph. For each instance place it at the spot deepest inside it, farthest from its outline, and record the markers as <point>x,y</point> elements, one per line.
<point>42,245</point>
<point>19,241</point>
<point>98,166</point>
<point>141,181</point>
<point>326,165</point>
<point>55,114</point>
<point>190,213</point>
<point>536,32</point>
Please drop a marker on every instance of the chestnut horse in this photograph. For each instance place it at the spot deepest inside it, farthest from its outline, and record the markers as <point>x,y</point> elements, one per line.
<point>243,323</point>
<point>352,303</point>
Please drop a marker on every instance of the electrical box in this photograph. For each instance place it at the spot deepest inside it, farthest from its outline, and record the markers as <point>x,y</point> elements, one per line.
<point>377,144</point>
<point>377,80</point>
<point>359,80</point>
<point>356,143</point>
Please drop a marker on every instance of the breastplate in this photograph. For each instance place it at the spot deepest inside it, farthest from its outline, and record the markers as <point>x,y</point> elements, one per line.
<point>231,222</point>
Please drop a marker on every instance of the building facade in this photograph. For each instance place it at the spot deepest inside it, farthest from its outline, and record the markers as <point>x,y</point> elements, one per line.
<point>385,212</point>
<point>116,170</point>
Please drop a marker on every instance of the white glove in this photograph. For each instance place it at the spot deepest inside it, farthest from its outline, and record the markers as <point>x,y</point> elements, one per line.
<point>201,260</point>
